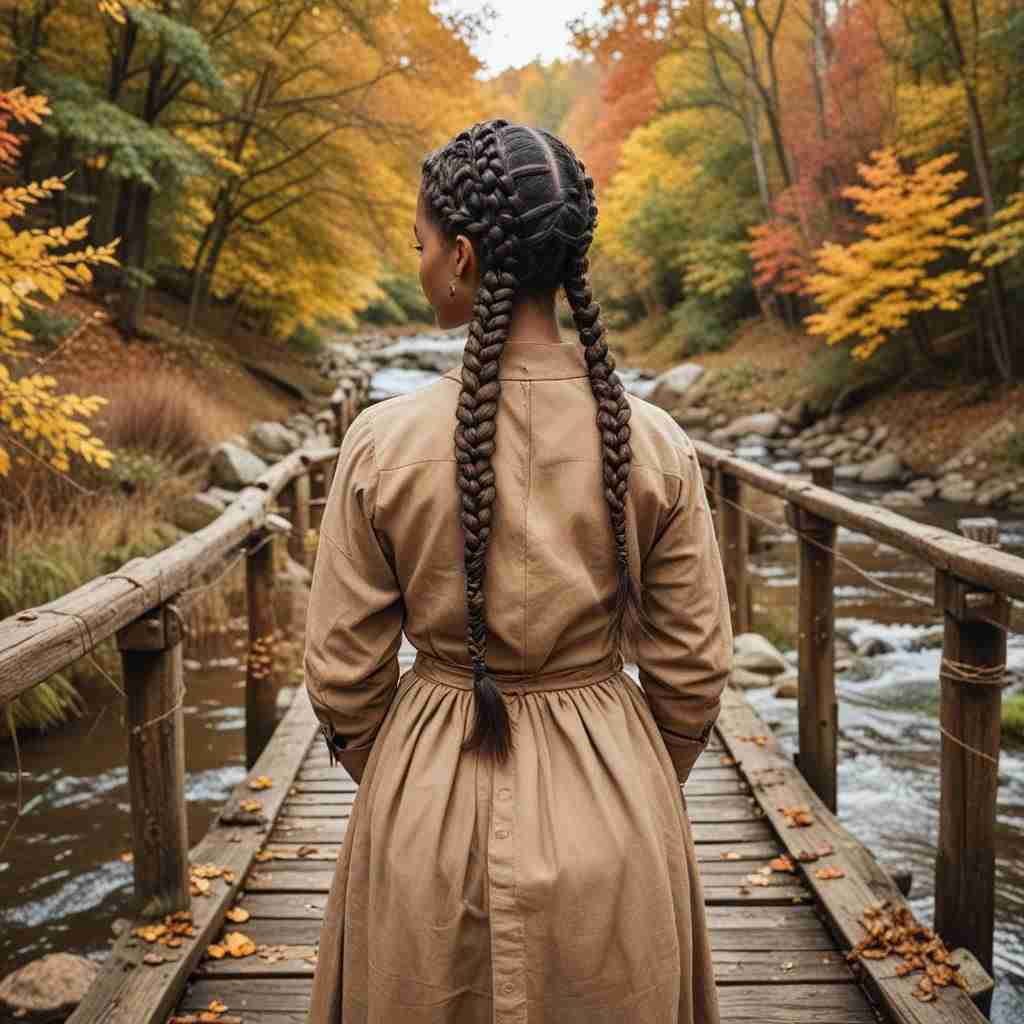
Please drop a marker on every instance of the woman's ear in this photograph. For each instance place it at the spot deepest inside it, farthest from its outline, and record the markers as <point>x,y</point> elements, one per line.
<point>465,259</point>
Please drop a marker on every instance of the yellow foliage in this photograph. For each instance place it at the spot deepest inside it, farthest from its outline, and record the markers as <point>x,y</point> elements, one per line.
<point>1006,239</point>
<point>869,290</point>
<point>930,117</point>
<point>47,424</point>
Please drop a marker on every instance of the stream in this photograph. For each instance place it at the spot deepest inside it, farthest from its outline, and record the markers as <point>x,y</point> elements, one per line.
<point>63,881</point>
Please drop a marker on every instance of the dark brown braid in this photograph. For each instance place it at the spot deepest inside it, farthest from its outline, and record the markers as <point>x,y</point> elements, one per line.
<point>524,201</point>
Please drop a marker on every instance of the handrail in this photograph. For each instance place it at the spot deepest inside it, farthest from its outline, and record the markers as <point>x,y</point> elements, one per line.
<point>974,562</point>
<point>974,584</point>
<point>37,642</point>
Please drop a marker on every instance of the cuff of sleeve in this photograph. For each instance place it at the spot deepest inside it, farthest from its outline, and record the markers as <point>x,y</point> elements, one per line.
<point>352,760</point>
<point>684,752</point>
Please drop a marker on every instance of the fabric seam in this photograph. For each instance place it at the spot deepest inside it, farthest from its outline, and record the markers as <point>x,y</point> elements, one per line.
<point>526,519</point>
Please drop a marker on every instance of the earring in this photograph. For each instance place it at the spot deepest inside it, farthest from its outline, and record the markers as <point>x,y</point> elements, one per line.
<point>451,288</point>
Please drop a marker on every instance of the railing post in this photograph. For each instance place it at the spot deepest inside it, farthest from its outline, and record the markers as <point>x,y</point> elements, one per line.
<point>972,673</point>
<point>154,684</point>
<point>734,543</point>
<point>818,715</point>
<point>260,684</point>
<point>296,498</point>
<point>318,485</point>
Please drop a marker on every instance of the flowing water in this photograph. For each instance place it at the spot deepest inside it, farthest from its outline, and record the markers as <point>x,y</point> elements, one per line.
<point>63,882</point>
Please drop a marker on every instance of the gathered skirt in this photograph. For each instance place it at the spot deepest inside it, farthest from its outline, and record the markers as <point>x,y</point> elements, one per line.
<point>560,887</point>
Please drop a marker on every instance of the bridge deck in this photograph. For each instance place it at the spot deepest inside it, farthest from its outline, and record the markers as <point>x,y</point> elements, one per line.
<point>778,948</point>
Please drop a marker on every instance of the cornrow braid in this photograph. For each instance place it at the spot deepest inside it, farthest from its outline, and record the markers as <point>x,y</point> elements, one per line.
<point>524,200</point>
<point>480,202</point>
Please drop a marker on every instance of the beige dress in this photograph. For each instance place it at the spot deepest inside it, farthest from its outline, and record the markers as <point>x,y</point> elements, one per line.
<point>561,887</point>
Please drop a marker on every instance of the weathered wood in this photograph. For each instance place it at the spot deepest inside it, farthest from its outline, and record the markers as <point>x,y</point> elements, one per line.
<point>973,662</point>
<point>734,542</point>
<point>260,681</point>
<point>154,685</point>
<point>778,786</point>
<point>129,992</point>
<point>970,560</point>
<point>319,479</point>
<point>818,714</point>
<point>36,642</point>
<point>296,497</point>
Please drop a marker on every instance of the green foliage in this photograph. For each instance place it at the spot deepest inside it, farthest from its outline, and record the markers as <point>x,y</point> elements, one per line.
<point>1015,448</point>
<point>46,327</point>
<point>305,340</point>
<point>698,327</point>
<point>735,379</point>
<point>1013,716</point>
<point>46,705</point>
<point>402,302</point>
<point>834,376</point>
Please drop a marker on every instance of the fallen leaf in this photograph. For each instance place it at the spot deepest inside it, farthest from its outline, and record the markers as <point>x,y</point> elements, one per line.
<point>206,871</point>
<point>251,806</point>
<point>150,932</point>
<point>152,959</point>
<point>806,855</point>
<point>238,915</point>
<point>782,864</point>
<point>127,857</point>
<point>798,817</point>
<point>263,856</point>
<point>757,879</point>
<point>787,965</point>
<point>307,851</point>
<point>729,855</point>
<point>217,1006</point>
<point>238,944</point>
<point>261,782</point>
<point>216,952</point>
<point>200,887</point>
<point>829,871</point>
<point>726,760</point>
<point>173,942</point>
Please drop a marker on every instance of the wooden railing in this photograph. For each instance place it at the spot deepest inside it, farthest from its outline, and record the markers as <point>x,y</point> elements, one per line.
<point>974,587</point>
<point>143,604</point>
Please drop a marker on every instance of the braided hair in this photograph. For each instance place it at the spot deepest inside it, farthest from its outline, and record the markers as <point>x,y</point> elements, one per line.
<point>527,205</point>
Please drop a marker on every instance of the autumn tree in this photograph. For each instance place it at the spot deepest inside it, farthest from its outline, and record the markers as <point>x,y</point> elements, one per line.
<point>909,262</point>
<point>35,417</point>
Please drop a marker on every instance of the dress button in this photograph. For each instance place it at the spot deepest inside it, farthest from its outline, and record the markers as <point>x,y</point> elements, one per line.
<point>502,833</point>
<point>504,794</point>
<point>508,988</point>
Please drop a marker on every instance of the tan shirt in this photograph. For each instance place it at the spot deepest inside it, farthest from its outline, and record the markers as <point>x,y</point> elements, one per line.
<point>391,554</point>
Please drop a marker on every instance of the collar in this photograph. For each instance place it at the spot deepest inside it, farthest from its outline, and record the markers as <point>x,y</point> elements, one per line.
<point>523,360</point>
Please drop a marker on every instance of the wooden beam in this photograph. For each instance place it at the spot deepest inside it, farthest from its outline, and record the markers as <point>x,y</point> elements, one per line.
<point>154,685</point>
<point>735,546</point>
<point>972,678</point>
<point>260,680</point>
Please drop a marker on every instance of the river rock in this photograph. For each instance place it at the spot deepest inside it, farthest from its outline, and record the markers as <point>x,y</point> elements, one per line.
<point>902,499</point>
<point>848,472</point>
<point>873,646</point>
<point>234,467</point>
<point>787,687</point>
<point>923,487</point>
<point>671,387</point>
<point>47,989</point>
<point>268,438</point>
<point>860,434</point>
<point>764,423</point>
<point>755,653</point>
<point>885,469</point>
<point>798,415</point>
<point>698,416</point>
<point>960,491</point>
<point>879,435</point>
<point>995,493</point>
<point>195,512</point>
<point>302,424</point>
<point>221,494</point>
<point>744,679</point>
<point>838,447</point>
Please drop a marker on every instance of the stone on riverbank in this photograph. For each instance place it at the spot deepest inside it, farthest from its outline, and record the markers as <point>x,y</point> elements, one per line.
<point>763,423</point>
<point>755,653</point>
<point>272,441</point>
<point>677,385</point>
<point>787,687</point>
<point>885,469</point>
<point>744,679</point>
<point>47,989</point>
<point>234,467</point>
<point>901,499</point>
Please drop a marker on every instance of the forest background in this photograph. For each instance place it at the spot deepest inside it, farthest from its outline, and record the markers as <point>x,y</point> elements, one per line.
<point>190,188</point>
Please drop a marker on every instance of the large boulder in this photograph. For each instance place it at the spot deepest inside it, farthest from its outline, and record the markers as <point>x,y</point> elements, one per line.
<point>902,499</point>
<point>675,386</point>
<point>885,469</point>
<point>272,439</point>
<point>234,467</point>
<point>754,653</point>
<point>744,679</point>
<point>764,423</point>
<point>196,511</point>
<point>47,989</point>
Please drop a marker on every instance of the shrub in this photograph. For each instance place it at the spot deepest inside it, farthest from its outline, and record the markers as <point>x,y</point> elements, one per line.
<point>47,327</point>
<point>1015,447</point>
<point>305,340</point>
<point>698,327</point>
<point>1013,716</point>
<point>835,380</point>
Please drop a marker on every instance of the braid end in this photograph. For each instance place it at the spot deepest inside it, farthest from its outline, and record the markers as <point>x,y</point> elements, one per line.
<point>492,729</point>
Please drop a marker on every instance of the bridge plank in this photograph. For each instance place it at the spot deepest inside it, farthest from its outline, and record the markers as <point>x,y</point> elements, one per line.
<point>129,992</point>
<point>776,785</point>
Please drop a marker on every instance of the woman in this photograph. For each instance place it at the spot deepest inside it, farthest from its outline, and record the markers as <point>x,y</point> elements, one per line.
<point>519,850</point>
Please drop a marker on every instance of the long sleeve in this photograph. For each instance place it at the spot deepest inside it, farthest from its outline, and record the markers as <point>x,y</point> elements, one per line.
<point>685,653</point>
<point>354,625</point>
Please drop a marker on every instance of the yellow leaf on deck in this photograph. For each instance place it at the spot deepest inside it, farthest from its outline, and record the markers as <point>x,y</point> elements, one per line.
<point>261,782</point>
<point>238,915</point>
<point>239,945</point>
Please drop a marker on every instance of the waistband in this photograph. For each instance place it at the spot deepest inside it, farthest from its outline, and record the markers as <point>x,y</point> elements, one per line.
<point>461,676</point>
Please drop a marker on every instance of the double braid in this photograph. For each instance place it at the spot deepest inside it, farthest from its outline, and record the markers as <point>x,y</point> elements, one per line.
<point>471,190</point>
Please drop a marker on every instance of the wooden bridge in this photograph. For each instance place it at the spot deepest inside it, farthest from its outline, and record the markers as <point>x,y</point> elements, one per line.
<point>229,929</point>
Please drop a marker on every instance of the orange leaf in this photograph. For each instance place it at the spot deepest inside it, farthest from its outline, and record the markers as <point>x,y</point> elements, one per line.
<point>828,872</point>
<point>261,782</point>
<point>238,915</point>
